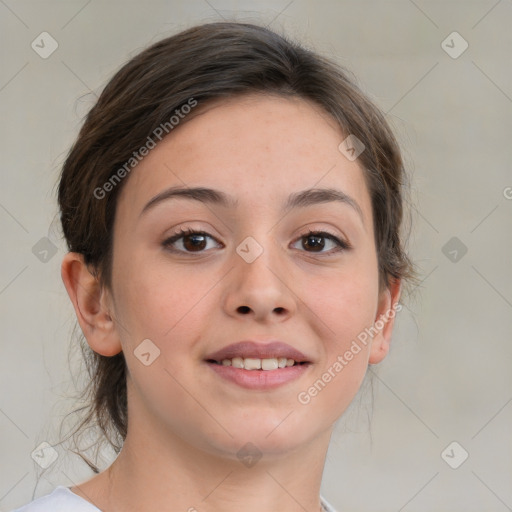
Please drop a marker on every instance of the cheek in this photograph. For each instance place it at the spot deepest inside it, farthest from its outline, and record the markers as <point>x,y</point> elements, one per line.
<point>342,370</point>
<point>345,306</point>
<point>150,298</point>
<point>345,300</point>
<point>167,308</point>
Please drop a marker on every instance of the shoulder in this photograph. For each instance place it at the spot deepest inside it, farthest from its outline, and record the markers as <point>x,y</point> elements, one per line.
<point>60,500</point>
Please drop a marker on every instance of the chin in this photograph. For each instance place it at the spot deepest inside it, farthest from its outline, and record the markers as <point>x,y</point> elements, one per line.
<point>274,438</point>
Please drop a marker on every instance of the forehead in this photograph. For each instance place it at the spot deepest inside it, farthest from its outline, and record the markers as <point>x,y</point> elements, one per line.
<point>258,148</point>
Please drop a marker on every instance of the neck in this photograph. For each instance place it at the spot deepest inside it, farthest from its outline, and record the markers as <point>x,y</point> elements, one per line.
<point>162,468</point>
<point>144,478</point>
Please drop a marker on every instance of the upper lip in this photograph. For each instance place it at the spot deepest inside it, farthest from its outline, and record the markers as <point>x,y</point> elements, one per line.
<point>258,350</point>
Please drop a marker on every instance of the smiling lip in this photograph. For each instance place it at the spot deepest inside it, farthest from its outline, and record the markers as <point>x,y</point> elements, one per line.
<point>251,349</point>
<point>259,379</point>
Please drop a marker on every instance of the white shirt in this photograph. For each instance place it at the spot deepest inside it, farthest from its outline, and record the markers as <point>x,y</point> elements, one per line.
<point>62,499</point>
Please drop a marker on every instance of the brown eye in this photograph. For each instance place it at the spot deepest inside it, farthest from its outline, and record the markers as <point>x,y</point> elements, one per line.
<point>315,241</point>
<point>193,242</point>
<point>189,240</point>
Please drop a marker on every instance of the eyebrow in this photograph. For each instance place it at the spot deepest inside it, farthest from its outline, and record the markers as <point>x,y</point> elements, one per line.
<point>300,199</point>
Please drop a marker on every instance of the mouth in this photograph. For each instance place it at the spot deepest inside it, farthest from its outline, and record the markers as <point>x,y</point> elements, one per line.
<point>255,363</point>
<point>259,375</point>
<point>253,355</point>
<point>259,366</point>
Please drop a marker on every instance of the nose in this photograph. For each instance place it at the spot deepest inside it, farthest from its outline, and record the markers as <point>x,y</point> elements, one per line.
<point>261,289</point>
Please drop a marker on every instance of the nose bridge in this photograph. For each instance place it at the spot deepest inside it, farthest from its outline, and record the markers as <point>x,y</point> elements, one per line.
<point>260,282</point>
<point>260,259</point>
<point>258,244</point>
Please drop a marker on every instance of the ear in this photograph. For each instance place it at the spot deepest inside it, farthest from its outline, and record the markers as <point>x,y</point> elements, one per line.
<point>90,301</point>
<point>384,321</point>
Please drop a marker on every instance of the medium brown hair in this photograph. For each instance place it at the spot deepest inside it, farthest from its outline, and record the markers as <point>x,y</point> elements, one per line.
<point>208,62</point>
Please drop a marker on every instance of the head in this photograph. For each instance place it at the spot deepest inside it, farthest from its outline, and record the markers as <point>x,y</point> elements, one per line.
<point>239,109</point>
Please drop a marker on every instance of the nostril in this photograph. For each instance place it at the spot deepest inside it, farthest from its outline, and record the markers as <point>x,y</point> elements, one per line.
<point>244,309</point>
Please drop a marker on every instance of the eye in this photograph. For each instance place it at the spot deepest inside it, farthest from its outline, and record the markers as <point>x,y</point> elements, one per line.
<point>189,239</point>
<point>197,241</point>
<point>315,240</point>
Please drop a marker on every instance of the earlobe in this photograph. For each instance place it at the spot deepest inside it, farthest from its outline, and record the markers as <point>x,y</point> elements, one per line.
<point>384,321</point>
<point>89,299</point>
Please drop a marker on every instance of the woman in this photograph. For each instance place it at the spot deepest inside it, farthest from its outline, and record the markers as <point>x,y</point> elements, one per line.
<point>232,208</point>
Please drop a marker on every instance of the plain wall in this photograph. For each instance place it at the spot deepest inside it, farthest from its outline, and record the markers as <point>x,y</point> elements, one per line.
<point>447,377</point>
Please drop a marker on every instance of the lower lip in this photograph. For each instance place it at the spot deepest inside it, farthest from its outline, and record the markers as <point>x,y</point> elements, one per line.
<point>260,379</point>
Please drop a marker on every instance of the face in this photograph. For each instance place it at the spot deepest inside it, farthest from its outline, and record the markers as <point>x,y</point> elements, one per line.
<point>253,271</point>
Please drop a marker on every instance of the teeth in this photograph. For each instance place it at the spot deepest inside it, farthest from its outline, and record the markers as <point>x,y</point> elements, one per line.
<point>250,363</point>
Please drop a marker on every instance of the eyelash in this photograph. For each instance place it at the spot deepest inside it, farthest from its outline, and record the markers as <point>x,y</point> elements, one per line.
<point>342,245</point>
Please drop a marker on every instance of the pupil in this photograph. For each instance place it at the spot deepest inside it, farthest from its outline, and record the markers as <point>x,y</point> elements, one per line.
<point>316,241</point>
<point>196,244</point>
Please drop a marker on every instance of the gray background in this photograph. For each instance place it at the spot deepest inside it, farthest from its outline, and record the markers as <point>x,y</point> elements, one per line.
<point>448,375</point>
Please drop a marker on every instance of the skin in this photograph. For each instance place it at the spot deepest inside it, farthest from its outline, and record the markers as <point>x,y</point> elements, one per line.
<point>186,424</point>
